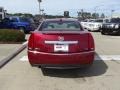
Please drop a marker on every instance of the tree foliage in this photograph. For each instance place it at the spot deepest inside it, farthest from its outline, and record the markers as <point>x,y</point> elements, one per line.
<point>102,15</point>
<point>87,15</point>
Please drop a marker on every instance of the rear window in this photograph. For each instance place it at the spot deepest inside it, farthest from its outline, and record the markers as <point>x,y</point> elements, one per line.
<point>14,20</point>
<point>115,20</point>
<point>60,25</point>
<point>98,20</point>
<point>26,20</point>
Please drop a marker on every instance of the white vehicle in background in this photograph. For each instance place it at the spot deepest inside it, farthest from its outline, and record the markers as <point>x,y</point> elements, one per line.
<point>93,24</point>
<point>86,22</point>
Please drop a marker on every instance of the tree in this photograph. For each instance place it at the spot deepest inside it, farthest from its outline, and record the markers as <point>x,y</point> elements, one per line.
<point>28,15</point>
<point>84,15</point>
<point>17,14</point>
<point>95,15</point>
<point>102,15</point>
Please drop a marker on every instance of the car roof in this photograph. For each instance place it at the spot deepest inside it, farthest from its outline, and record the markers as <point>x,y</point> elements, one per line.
<point>63,19</point>
<point>17,17</point>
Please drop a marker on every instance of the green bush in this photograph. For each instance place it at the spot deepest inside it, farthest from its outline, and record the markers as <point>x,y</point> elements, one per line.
<point>10,35</point>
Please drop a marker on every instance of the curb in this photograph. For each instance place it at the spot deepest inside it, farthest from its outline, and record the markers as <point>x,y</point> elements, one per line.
<point>4,61</point>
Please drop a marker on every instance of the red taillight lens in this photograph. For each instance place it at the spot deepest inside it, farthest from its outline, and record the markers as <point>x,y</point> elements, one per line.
<point>91,45</point>
<point>31,42</point>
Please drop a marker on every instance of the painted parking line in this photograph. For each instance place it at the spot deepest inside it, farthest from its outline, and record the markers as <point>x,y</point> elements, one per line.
<point>24,58</point>
<point>100,57</point>
<point>107,57</point>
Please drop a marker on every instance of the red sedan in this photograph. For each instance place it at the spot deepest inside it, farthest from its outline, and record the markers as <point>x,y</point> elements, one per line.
<point>61,43</point>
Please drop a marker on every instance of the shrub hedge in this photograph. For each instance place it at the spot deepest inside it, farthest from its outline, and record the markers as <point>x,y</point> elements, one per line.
<point>10,35</point>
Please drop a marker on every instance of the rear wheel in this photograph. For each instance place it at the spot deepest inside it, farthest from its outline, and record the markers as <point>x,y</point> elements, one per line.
<point>117,33</point>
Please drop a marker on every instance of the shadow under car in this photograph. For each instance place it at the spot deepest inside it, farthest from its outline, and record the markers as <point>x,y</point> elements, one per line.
<point>99,67</point>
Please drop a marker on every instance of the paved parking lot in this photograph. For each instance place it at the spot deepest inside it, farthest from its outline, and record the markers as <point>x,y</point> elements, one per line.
<point>103,75</point>
<point>6,49</point>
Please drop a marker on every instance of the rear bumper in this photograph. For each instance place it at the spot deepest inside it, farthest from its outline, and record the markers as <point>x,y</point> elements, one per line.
<point>61,60</point>
<point>94,29</point>
<point>62,66</point>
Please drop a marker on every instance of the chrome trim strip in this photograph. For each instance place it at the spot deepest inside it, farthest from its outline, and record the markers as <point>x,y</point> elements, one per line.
<point>36,52</point>
<point>61,42</point>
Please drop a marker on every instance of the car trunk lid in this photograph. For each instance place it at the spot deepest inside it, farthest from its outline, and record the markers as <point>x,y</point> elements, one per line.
<point>61,42</point>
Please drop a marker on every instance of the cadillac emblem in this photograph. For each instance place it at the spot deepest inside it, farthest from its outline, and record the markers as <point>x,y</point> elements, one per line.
<point>60,38</point>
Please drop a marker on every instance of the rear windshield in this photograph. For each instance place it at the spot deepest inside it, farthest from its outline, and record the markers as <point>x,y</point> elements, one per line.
<point>27,20</point>
<point>60,25</point>
<point>98,20</point>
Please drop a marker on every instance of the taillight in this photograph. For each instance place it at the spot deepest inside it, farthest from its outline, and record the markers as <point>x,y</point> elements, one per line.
<point>91,45</point>
<point>31,42</point>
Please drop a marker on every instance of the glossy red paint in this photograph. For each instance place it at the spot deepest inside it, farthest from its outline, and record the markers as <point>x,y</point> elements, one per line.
<point>52,58</point>
<point>79,48</point>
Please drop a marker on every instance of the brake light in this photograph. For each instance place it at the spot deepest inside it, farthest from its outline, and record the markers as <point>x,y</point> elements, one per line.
<point>91,45</point>
<point>31,42</point>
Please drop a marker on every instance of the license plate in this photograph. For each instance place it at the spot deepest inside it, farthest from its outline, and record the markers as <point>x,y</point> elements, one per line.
<point>63,48</point>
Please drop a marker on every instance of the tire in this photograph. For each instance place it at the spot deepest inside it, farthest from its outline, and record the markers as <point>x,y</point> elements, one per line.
<point>117,33</point>
<point>103,32</point>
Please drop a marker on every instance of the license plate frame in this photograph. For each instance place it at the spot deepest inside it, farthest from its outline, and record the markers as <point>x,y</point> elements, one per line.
<point>61,48</point>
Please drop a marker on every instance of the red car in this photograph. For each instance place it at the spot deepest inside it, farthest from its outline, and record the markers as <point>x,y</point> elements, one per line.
<point>61,43</point>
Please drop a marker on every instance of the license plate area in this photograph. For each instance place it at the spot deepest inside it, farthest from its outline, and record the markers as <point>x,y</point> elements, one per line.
<point>61,48</point>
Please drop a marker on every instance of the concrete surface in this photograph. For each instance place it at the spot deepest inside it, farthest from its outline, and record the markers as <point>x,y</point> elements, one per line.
<point>12,54</point>
<point>103,75</point>
<point>106,44</point>
<point>6,49</point>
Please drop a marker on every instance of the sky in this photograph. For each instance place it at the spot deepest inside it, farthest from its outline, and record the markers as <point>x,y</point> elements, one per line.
<point>57,7</point>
